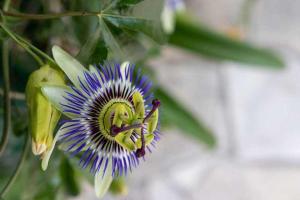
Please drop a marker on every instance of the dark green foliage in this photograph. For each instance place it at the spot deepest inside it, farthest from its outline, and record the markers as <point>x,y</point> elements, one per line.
<point>203,41</point>
<point>68,177</point>
<point>174,114</point>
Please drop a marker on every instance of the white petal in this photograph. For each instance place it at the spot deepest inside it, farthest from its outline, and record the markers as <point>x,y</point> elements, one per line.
<point>93,69</point>
<point>62,130</point>
<point>55,94</point>
<point>124,67</point>
<point>102,182</point>
<point>48,153</point>
<point>72,68</point>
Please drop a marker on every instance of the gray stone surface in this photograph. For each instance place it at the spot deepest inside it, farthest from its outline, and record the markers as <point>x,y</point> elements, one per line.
<point>265,106</point>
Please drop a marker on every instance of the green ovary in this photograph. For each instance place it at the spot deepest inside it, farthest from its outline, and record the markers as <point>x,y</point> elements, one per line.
<point>115,112</point>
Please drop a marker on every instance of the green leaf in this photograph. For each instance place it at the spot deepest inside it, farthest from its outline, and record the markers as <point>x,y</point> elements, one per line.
<point>84,26</point>
<point>19,118</point>
<point>172,113</point>
<point>68,177</point>
<point>189,35</point>
<point>99,55</point>
<point>110,41</point>
<point>149,9</point>
<point>148,27</point>
<point>89,46</point>
<point>129,2</point>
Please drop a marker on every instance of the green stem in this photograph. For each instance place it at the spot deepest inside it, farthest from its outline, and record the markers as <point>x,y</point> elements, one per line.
<point>17,170</point>
<point>25,16</point>
<point>109,6</point>
<point>26,45</point>
<point>6,5</point>
<point>37,50</point>
<point>6,98</point>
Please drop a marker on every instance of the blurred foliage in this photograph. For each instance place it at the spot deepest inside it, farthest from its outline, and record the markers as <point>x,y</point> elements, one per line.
<point>118,187</point>
<point>125,30</point>
<point>69,178</point>
<point>172,113</point>
<point>201,40</point>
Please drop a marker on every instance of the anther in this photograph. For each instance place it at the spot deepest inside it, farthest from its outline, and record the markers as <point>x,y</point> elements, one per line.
<point>140,152</point>
<point>155,105</point>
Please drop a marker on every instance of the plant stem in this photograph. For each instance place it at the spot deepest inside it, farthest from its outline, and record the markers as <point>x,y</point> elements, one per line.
<point>37,50</point>
<point>25,16</point>
<point>14,95</point>
<point>6,98</point>
<point>6,5</point>
<point>26,45</point>
<point>17,170</point>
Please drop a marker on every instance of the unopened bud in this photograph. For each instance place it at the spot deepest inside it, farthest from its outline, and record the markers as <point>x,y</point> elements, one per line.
<point>43,116</point>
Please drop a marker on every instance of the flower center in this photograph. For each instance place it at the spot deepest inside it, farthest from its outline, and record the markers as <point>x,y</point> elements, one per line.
<point>122,107</point>
<point>150,121</point>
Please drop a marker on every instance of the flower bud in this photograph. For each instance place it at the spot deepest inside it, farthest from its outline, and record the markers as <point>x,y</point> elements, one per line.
<point>43,116</point>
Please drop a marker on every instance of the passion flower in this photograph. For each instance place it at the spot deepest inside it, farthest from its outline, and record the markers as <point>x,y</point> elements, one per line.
<point>112,117</point>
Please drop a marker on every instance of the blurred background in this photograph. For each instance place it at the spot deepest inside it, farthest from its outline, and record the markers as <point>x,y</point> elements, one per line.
<point>251,110</point>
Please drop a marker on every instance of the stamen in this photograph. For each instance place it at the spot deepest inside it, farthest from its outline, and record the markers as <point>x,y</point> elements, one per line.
<point>115,130</point>
<point>155,105</point>
<point>141,152</point>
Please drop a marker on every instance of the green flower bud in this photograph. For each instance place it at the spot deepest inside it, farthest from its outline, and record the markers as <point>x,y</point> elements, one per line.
<point>43,116</point>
